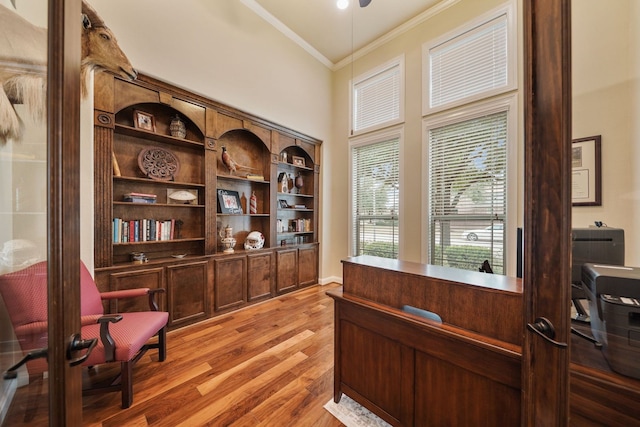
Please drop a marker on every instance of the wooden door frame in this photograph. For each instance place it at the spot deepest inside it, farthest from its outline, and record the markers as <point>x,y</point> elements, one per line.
<point>63,216</point>
<point>547,213</point>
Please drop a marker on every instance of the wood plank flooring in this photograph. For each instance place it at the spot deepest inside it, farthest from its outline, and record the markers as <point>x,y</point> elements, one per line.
<point>270,364</point>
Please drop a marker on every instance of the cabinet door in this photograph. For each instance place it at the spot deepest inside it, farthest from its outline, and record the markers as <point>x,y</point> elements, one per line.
<point>286,270</point>
<point>187,292</point>
<point>230,282</point>
<point>308,266</point>
<point>152,278</point>
<point>259,276</point>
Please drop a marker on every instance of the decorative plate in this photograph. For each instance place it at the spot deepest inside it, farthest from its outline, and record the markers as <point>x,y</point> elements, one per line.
<point>158,163</point>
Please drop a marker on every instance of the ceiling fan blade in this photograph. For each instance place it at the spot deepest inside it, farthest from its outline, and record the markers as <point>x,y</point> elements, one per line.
<point>364,3</point>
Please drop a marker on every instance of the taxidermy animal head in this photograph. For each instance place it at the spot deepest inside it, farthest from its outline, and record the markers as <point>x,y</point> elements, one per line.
<point>23,60</point>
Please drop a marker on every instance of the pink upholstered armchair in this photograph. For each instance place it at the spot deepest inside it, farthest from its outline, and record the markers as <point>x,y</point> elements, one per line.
<point>121,338</point>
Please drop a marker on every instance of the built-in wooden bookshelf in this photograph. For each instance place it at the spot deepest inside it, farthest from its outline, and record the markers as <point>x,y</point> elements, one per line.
<point>181,242</point>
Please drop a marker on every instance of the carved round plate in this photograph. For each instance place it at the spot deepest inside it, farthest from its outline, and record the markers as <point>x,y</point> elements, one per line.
<point>158,163</point>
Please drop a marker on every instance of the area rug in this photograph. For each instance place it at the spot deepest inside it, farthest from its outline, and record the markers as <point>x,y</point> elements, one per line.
<point>352,414</point>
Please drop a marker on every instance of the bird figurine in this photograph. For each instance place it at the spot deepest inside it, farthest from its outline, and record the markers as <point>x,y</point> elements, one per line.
<point>231,164</point>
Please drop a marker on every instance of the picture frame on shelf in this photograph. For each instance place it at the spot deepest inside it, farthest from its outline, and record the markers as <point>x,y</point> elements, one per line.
<point>179,196</point>
<point>298,161</point>
<point>586,189</point>
<point>283,203</point>
<point>229,202</point>
<point>143,120</point>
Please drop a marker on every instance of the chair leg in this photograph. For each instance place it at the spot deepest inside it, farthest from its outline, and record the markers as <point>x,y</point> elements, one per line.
<point>162,344</point>
<point>126,382</point>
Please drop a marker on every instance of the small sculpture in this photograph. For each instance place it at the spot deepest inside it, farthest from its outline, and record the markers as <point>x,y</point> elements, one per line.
<point>231,164</point>
<point>253,203</point>
<point>177,128</point>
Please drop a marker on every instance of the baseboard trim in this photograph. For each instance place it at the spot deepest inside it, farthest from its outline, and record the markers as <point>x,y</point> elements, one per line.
<point>331,279</point>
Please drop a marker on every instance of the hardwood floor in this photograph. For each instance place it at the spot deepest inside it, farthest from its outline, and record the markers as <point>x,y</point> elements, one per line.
<point>270,364</point>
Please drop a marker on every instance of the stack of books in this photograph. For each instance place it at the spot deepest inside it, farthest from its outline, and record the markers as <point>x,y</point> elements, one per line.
<point>140,198</point>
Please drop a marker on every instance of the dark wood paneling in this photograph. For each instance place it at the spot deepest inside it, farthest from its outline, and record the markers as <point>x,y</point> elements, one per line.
<point>259,276</point>
<point>460,378</point>
<point>286,270</point>
<point>448,395</point>
<point>187,292</point>
<point>229,282</point>
<point>378,369</point>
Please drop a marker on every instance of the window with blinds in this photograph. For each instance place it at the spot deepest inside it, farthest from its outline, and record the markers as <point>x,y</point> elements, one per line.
<point>468,191</point>
<point>479,61</point>
<point>377,97</point>
<point>374,191</point>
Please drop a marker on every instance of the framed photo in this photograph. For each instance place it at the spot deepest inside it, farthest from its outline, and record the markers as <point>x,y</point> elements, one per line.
<point>229,202</point>
<point>143,120</point>
<point>283,203</point>
<point>586,175</point>
<point>182,196</point>
<point>298,161</point>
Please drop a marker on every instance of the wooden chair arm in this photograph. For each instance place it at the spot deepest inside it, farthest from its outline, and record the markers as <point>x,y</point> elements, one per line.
<point>105,336</point>
<point>131,293</point>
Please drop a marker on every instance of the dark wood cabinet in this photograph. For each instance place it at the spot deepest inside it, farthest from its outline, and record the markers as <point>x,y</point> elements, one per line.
<point>308,265</point>
<point>139,166</point>
<point>259,276</point>
<point>187,292</point>
<point>152,278</point>
<point>230,282</point>
<point>286,270</point>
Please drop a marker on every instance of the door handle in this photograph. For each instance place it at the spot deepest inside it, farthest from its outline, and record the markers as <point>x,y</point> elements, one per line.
<point>77,344</point>
<point>12,372</point>
<point>543,327</point>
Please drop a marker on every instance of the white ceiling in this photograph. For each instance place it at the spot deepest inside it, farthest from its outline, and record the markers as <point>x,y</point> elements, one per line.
<point>331,34</point>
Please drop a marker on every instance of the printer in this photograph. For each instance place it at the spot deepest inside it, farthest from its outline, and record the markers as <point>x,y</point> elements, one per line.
<point>614,307</point>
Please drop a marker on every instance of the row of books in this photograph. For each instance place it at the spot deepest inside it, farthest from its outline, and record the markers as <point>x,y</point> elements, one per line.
<point>294,225</point>
<point>142,230</point>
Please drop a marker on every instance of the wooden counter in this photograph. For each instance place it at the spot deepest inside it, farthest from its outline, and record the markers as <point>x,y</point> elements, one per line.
<point>485,303</point>
<point>417,372</point>
<point>465,371</point>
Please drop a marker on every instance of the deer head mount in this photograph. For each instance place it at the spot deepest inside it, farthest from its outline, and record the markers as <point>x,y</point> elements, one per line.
<point>23,59</point>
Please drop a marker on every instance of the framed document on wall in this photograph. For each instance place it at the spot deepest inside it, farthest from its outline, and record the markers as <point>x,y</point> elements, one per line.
<point>586,176</point>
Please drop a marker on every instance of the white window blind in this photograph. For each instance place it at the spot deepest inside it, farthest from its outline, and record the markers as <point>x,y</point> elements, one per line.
<point>377,98</point>
<point>375,191</point>
<point>468,191</point>
<point>470,65</point>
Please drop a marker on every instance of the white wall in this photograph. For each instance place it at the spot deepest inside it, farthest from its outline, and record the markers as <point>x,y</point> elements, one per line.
<point>606,94</point>
<point>337,154</point>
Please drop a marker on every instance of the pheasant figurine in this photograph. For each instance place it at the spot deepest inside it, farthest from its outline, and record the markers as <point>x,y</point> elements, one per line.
<point>228,161</point>
<point>231,164</point>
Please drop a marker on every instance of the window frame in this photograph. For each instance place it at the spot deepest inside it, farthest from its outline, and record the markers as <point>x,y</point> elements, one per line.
<point>396,132</point>
<point>507,10</point>
<point>506,103</point>
<point>399,62</point>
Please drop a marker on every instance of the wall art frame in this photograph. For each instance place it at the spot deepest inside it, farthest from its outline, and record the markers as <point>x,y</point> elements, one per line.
<point>586,173</point>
